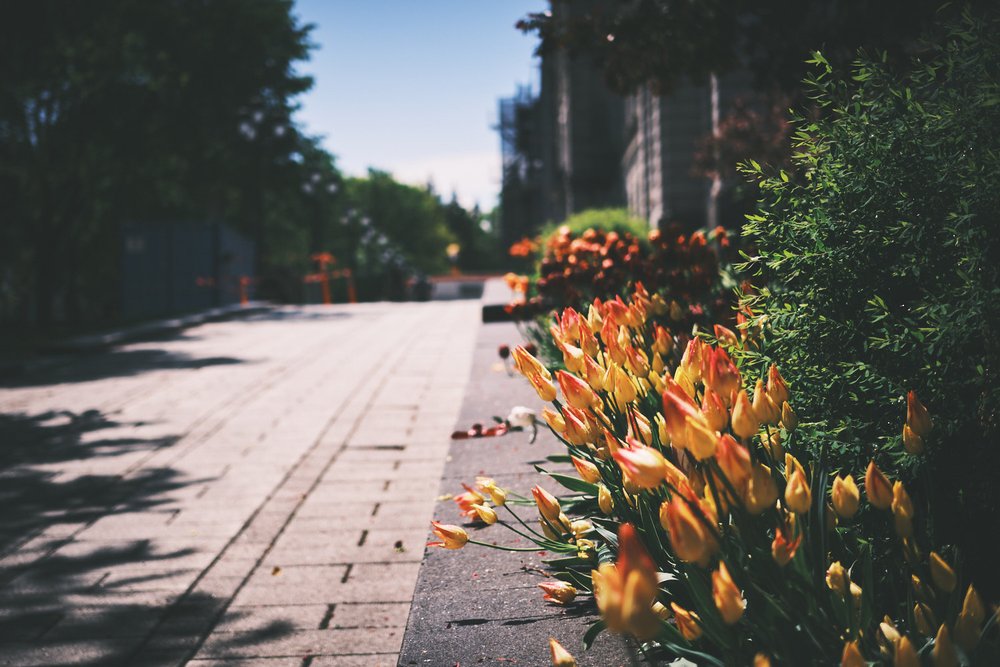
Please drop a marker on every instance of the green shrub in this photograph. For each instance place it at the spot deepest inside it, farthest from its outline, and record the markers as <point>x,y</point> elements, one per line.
<point>882,257</point>
<point>605,219</point>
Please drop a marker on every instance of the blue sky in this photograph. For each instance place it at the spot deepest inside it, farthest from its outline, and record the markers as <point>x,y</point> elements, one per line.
<point>411,86</point>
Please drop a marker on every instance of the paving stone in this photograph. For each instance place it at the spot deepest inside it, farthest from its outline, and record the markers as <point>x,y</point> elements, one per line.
<point>302,643</point>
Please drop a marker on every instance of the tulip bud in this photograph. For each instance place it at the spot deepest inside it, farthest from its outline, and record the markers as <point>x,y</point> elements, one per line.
<point>912,443</point>
<point>943,654</point>
<point>924,618</point>
<point>766,411</point>
<point>715,412</point>
<point>604,500</point>
<point>594,374</point>
<point>528,365</point>
<point>771,442</point>
<point>701,440</point>
<point>577,392</point>
<point>761,660</point>
<point>558,592</point>
<point>688,622</point>
<point>744,421</point>
<point>486,514</point>
<point>902,510</point>
<point>941,573</point>
<point>905,654</point>
<point>684,381</point>
<point>587,470</point>
<point>877,487</point>
<point>851,656</point>
<point>788,417</point>
<point>554,419</point>
<point>727,597</point>
<point>798,496</point>
<point>916,416</point>
<point>761,489</point>
<point>560,656</point>
<point>845,496</point>
<point>837,579</point>
<point>968,627</point>
<point>691,539</point>
<point>919,588</point>
<point>545,389</point>
<point>548,505</point>
<point>452,537</point>
<point>734,460</point>
<point>777,390</point>
<point>645,466</point>
<point>784,547</point>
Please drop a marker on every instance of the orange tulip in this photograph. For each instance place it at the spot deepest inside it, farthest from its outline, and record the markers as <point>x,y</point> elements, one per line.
<point>714,410</point>
<point>777,390</point>
<point>764,408</point>
<point>912,443</point>
<point>734,459</point>
<point>690,537</point>
<point>543,387</point>
<point>558,592</point>
<point>452,537</point>
<point>645,466</point>
<point>784,546</point>
<point>851,656</point>
<point>877,487</point>
<point>902,510</point>
<point>905,654</point>
<point>688,622</point>
<point>528,365</point>
<point>798,495</point>
<point>745,422</point>
<point>725,336</point>
<point>548,505</point>
<point>943,654</point>
<point>727,597</point>
<point>917,417</point>
<point>701,440</point>
<point>941,573</point>
<point>845,496</point>
<point>761,489</point>
<point>560,656</point>
<point>577,392</point>
<point>625,592</point>
<point>588,471</point>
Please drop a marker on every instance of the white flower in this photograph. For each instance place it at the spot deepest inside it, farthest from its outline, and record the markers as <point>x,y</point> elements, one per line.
<point>521,416</point>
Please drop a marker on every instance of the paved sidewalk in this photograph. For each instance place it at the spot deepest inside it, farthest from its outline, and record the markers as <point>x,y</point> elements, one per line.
<point>244,492</point>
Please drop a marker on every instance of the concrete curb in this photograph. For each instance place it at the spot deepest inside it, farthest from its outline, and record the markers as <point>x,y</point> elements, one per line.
<point>482,606</point>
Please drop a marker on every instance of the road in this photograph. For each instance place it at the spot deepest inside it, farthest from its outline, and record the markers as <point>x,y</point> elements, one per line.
<point>254,489</point>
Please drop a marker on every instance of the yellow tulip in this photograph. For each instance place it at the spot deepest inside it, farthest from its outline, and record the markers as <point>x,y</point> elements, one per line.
<point>845,496</point>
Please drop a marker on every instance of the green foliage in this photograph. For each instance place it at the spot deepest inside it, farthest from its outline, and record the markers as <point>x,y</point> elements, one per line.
<point>882,253</point>
<point>605,219</point>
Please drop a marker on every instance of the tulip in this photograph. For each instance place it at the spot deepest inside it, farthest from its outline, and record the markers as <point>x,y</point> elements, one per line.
<point>912,443</point>
<point>691,360</point>
<point>727,597</point>
<point>701,440</point>
<point>588,471</point>
<point>771,442</point>
<point>544,387</point>
<point>837,579</point>
<point>548,505</point>
<point>691,539</point>
<point>677,406</point>
<point>577,392</point>
<point>970,620</point>
<point>604,500</point>
<point>905,654</point>
<point>714,410</point>
<point>528,365</point>
<point>486,514</point>
<point>577,431</point>
<point>943,654</point>
<point>594,374</point>
<point>919,588</point>
<point>941,573</point>
<point>636,361</point>
<point>845,496</point>
<point>902,510</point>
<point>560,656</point>
<point>721,374</point>
<point>784,547</point>
<point>554,419</point>
<point>625,592</point>
<point>573,358</point>
<point>765,409</point>
<point>798,496</point>
<point>594,319</point>
<point>745,423</point>
<point>688,622</point>
<point>639,427</point>
<point>788,417</point>
<point>851,656</point>
<point>734,460</point>
<point>924,618</point>
<point>645,466</point>
<point>761,489</point>
<point>877,487</point>
<point>777,390</point>
<point>916,416</point>
<point>685,382</point>
<point>761,660</point>
<point>663,342</point>
<point>725,336</point>
<point>452,537</point>
<point>558,592</point>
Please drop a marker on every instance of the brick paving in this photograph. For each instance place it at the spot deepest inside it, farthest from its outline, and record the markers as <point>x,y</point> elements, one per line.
<point>244,492</point>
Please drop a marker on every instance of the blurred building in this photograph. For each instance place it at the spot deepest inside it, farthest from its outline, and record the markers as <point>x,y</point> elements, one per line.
<point>577,145</point>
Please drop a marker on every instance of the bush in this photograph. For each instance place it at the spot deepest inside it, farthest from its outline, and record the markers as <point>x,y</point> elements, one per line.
<point>599,219</point>
<point>883,252</point>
